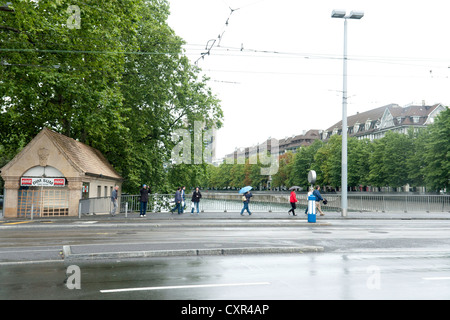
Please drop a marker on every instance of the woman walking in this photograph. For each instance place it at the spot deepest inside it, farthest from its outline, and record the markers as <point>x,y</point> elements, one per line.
<point>196,196</point>
<point>246,199</point>
<point>293,200</point>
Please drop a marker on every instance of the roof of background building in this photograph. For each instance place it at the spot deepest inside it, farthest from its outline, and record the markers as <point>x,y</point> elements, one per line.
<point>396,111</point>
<point>81,156</point>
<point>88,159</point>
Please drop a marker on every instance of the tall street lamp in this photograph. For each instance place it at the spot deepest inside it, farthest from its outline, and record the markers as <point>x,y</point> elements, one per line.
<point>342,14</point>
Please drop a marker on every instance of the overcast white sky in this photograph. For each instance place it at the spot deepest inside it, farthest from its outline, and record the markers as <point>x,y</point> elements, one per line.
<point>288,78</point>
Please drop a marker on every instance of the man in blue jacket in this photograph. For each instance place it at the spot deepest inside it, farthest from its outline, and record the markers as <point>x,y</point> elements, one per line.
<point>177,201</point>
<point>319,198</point>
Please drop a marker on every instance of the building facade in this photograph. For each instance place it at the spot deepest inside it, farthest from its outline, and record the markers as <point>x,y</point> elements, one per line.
<point>374,124</point>
<point>284,145</point>
<point>51,174</point>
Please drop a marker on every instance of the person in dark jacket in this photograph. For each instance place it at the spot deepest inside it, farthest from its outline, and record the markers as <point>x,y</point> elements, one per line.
<point>319,198</point>
<point>143,199</point>
<point>114,196</point>
<point>247,197</point>
<point>177,201</point>
<point>196,196</point>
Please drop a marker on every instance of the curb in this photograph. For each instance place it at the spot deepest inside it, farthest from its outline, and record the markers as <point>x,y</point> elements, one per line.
<point>205,223</point>
<point>68,255</point>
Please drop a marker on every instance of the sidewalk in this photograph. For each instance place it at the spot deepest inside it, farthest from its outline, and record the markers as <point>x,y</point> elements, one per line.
<point>266,218</point>
<point>276,216</point>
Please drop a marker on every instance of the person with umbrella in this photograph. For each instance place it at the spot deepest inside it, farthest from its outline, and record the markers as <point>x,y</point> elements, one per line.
<point>246,199</point>
<point>293,200</point>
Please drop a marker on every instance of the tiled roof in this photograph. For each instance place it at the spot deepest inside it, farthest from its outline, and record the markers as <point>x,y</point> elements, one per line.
<point>401,116</point>
<point>86,158</point>
<point>361,118</point>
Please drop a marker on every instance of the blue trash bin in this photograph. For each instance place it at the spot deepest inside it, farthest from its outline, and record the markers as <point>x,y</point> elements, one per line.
<point>312,209</point>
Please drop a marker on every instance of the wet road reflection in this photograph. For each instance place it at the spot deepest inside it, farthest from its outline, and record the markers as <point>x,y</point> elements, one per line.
<point>382,275</point>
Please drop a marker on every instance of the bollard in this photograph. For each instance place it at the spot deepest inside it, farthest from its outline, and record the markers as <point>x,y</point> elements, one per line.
<point>312,209</point>
<point>126,209</point>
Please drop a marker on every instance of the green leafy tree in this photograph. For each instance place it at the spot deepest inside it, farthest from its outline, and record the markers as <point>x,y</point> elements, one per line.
<point>117,79</point>
<point>359,165</point>
<point>398,149</point>
<point>281,178</point>
<point>303,163</point>
<point>437,153</point>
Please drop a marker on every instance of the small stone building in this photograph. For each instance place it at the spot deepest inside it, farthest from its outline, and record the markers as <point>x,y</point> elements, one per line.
<point>51,174</point>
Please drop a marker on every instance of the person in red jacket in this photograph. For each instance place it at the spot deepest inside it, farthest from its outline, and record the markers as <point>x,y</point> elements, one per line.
<point>293,200</point>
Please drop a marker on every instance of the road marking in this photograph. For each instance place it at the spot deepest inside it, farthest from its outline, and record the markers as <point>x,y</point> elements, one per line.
<point>11,223</point>
<point>436,278</point>
<point>187,287</point>
<point>12,263</point>
<point>85,222</point>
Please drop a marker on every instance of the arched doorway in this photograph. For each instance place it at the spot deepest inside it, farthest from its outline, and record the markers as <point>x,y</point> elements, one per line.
<point>43,192</point>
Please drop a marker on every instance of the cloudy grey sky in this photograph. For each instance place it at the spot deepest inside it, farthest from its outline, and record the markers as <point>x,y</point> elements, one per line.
<point>277,65</point>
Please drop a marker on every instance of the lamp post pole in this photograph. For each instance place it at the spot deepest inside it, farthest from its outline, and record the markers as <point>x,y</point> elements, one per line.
<point>344,203</point>
<point>344,166</point>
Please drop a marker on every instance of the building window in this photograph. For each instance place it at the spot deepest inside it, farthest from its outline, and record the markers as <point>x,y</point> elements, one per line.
<point>43,202</point>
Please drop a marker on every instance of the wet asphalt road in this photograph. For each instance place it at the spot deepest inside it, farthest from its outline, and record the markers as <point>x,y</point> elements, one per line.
<point>361,259</point>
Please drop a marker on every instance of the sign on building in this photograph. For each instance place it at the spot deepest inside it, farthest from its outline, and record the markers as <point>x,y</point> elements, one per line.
<point>42,182</point>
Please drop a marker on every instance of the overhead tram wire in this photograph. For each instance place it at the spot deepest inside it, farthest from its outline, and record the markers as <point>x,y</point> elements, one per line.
<point>381,59</point>
<point>210,43</point>
<point>234,51</point>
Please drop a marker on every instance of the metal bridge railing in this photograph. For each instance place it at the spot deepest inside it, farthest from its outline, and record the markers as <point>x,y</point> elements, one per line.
<point>227,202</point>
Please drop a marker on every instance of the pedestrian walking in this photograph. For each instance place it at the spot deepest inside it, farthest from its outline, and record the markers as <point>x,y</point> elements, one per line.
<point>196,196</point>
<point>319,198</point>
<point>177,201</point>
<point>143,199</point>
<point>246,200</point>
<point>293,200</point>
<point>114,201</point>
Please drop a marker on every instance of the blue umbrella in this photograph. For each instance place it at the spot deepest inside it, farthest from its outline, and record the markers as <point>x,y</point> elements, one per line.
<point>245,189</point>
